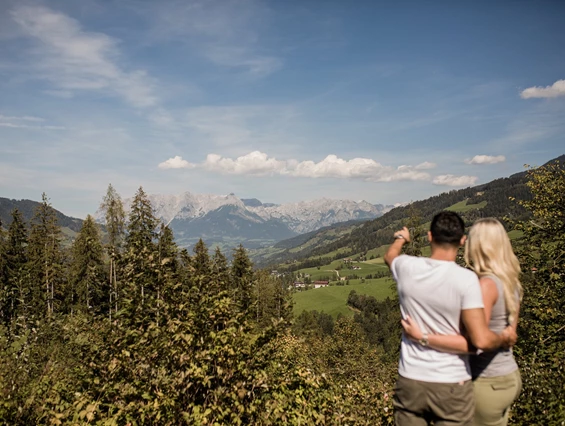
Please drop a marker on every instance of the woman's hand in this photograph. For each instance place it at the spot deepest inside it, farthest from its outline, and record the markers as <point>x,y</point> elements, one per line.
<point>411,329</point>
<point>509,336</point>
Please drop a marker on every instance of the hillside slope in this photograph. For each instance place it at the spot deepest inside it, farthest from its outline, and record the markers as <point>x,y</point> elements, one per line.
<point>27,209</point>
<point>498,198</point>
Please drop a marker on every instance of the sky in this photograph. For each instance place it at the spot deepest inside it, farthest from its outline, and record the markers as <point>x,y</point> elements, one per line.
<point>283,101</point>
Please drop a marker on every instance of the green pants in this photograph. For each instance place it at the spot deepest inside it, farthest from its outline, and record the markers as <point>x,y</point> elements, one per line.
<point>493,398</point>
<point>419,403</point>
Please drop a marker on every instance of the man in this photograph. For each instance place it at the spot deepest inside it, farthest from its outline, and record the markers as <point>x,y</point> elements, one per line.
<point>439,295</point>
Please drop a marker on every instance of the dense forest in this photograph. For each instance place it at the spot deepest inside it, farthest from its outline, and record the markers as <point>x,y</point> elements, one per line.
<point>138,332</point>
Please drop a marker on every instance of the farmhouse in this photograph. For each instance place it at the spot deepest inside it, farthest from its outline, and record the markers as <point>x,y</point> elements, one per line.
<point>318,284</point>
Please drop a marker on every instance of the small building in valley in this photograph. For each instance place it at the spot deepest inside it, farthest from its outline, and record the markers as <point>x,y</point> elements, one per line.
<point>318,284</point>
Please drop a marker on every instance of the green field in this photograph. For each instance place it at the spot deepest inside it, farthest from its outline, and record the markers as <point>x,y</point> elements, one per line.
<point>365,268</point>
<point>332,300</point>
<point>462,206</point>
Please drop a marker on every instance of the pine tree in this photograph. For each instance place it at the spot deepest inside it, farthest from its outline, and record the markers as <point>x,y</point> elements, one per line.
<point>86,270</point>
<point>282,299</point>
<point>14,268</point>
<point>414,225</point>
<point>202,265</point>
<point>113,209</point>
<point>201,259</point>
<point>140,258</point>
<point>264,298</point>
<point>168,264</point>
<point>242,279</point>
<point>220,271</point>
<point>185,270</point>
<point>45,260</point>
<point>4,288</point>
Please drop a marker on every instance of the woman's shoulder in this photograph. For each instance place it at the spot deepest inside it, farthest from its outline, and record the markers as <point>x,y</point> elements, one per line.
<point>490,282</point>
<point>489,287</point>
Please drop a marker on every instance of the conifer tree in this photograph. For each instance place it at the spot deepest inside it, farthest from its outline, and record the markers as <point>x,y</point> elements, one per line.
<point>86,270</point>
<point>45,260</point>
<point>414,225</point>
<point>4,291</point>
<point>220,271</point>
<point>282,299</point>
<point>201,259</point>
<point>201,267</point>
<point>14,268</point>
<point>272,298</point>
<point>242,279</point>
<point>185,270</point>
<point>168,264</point>
<point>113,210</point>
<point>264,298</point>
<point>140,256</point>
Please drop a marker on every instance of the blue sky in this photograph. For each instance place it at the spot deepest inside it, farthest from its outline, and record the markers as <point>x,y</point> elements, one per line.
<point>282,101</point>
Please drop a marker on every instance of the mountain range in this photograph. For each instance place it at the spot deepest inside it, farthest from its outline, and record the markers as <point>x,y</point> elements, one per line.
<point>227,220</point>
<point>306,229</point>
<point>499,198</point>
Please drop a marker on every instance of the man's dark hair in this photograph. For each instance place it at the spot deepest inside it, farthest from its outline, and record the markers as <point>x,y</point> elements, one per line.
<point>447,228</point>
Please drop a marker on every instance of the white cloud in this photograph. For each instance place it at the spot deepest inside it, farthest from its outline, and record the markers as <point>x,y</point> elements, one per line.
<point>27,126</point>
<point>236,57</point>
<point>21,118</point>
<point>22,122</point>
<point>175,163</point>
<point>257,163</point>
<point>451,180</point>
<point>553,91</point>
<point>486,159</point>
<point>224,125</point>
<point>74,59</point>
<point>426,165</point>
<point>356,168</point>
<point>225,33</point>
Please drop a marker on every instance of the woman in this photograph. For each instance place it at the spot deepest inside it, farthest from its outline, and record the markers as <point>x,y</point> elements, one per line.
<point>496,378</point>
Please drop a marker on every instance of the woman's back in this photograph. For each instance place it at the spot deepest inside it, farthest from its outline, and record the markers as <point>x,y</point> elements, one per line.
<point>500,362</point>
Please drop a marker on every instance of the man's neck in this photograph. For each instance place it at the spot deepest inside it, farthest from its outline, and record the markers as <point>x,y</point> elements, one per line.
<point>444,253</point>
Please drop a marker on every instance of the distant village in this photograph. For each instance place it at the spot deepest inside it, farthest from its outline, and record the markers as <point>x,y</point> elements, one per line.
<point>303,281</point>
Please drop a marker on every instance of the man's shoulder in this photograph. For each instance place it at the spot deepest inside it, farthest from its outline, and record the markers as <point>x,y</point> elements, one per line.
<point>464,272</point>
<point>403,259</point>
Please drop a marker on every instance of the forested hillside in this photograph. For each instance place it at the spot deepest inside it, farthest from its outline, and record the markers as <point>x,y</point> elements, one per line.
<point>27,209</point>
<point>498,198</point>
<point>139,332</point>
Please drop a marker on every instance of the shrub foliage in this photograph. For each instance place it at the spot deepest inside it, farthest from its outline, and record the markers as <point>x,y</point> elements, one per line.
<point>138,332</point>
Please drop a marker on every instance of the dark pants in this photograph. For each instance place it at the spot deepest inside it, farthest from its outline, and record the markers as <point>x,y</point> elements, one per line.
<point>418,403</point>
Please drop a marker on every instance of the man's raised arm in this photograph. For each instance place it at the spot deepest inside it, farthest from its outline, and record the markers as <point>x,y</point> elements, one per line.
<point>400,238</point>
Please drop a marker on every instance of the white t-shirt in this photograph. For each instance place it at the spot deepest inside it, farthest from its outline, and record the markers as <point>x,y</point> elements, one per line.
<point>433,293</point>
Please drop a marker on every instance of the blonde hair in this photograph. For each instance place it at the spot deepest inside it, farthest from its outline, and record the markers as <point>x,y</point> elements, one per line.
<point>488,251</point>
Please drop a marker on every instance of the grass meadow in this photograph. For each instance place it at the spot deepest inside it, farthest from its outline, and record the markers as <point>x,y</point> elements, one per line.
<point>332,300</point>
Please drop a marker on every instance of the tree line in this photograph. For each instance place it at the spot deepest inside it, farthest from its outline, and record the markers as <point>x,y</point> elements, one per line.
<point>134,330</point>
